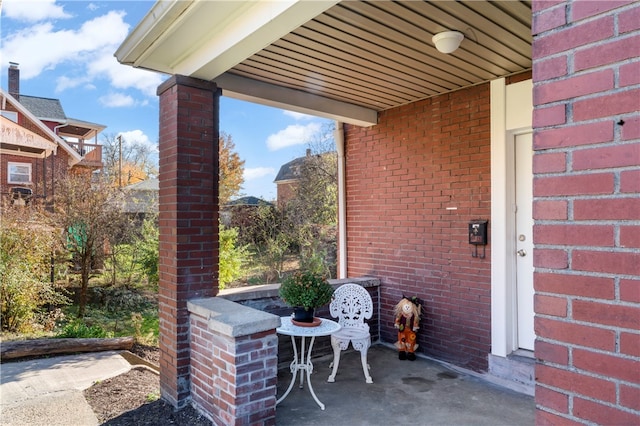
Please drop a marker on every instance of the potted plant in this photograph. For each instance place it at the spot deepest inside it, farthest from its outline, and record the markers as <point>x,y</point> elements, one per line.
<point>305,291</point>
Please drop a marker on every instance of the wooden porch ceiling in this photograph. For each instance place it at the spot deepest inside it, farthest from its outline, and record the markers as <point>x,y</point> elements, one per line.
<point>351,58</point>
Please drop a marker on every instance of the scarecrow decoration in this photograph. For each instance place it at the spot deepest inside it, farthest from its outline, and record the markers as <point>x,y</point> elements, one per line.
<point>407,321</point>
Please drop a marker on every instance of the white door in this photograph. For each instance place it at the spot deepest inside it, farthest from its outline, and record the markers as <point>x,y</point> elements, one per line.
<point>524,240</point>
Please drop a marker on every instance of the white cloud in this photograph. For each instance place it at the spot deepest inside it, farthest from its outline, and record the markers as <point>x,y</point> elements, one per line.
<point>33,10</point>
<point>116,100</point>
<point>138,137</point>
<point>295,134</point>
<point>88,51</point>
<point>258,172</point>
<point>298,115</point>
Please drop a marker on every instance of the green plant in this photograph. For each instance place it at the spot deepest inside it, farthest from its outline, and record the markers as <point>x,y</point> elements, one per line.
<point>306,289</point>
<point>78,329</point>
<point>231,256</point>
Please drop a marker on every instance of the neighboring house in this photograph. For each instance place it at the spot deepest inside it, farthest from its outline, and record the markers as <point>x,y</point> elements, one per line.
<point>141,199</point>
<point>39,144</point>
<point>287,178</point>
<point>531,124</point>
<point>237,212</point>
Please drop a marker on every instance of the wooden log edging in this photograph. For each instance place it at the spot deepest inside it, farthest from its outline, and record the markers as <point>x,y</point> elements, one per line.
<point>37,347</point>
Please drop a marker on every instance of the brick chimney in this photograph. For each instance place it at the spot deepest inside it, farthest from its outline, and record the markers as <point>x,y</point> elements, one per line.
<point>14,80</point>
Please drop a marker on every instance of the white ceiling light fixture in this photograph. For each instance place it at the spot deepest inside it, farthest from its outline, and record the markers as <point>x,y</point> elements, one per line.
<point>447,41</point>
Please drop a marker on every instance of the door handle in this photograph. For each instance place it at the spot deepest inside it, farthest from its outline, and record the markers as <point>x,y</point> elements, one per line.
<point>521,253</point>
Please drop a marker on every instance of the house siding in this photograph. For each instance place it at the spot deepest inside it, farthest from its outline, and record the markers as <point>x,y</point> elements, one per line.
<point>587,211</point>
<point>402,175</point>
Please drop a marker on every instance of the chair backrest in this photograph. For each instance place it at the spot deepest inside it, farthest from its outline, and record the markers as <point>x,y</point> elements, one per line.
<point>351,304</point>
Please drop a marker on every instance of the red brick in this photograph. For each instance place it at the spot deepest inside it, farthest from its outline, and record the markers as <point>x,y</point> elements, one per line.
<point>551,399</point>
<point>630,344</point>
<point>605,157</point>
<point>575,285</point>
<point>624,263</point>
<point>552,259</point>
<point>608,314</point>
<point>630,181</point>
<point>607,53</point>
<point>603,414</point>
<point>550,210</point>
<point>594,183</point>
<point>574,235</point>
<point>573,87</point>
<point>577,383</point>
<point>575,36</point>
<point>630,397</point>
<point>630,236</point>
<point>551,352</point>
<point>583,335</point>
<point>548,20</point>
<point>628,20</point>
<point>606,209</point>
<point>630,290</point>
<point>544,418</point>
<point>586,9</point>
<point>550,116</point>
<point>607,105</point>
<point>629,74</point>
<point>607,365</point>
<point>549,162</point>
<point>576,135</point>
<point>548,69</point>
<point>548,305</point>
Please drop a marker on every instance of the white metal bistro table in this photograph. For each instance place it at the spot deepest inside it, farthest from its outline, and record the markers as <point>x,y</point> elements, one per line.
<point>302,360</point>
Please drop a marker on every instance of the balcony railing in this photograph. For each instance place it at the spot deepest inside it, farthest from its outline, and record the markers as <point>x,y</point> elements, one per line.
<point>91,153</point>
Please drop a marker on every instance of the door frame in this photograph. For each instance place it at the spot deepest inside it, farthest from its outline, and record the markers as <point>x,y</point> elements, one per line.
<point>511,114</point>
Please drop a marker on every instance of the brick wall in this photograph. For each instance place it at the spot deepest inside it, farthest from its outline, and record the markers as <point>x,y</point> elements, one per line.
<point>188,220</point>
<point>586,76</point>
<point>41,172</point>
<point>401,176</point>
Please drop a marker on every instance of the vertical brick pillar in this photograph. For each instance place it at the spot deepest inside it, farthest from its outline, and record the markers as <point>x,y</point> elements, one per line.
<point>188,220</point>
<point>586,190</point>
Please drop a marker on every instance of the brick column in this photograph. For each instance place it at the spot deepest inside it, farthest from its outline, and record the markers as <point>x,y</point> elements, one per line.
<point>586,192</point>
<point>188,220</point>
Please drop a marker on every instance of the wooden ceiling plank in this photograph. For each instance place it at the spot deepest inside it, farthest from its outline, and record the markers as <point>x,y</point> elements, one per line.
<point>324,80</point>
<point>419,43</point>
<point>312,64</point>
<point>494,37</point>
<point>342,60</point>
<point>307,37</point>
<point>292,81</point>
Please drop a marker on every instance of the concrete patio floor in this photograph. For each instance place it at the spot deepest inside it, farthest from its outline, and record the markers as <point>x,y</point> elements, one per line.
<point>420,392</point>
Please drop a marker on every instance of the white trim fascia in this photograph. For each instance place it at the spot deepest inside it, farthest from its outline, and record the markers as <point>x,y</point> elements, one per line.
<point>204,39</point>
<point>500,317</point>
<point>246,89</point>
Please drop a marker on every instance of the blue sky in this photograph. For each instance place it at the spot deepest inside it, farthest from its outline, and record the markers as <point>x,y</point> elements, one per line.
<point>65,51</point>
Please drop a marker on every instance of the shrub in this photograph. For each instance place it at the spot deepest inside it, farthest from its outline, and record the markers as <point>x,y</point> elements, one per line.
<point>78,329</point>
<point>231,256</point>
<point>26,249</point>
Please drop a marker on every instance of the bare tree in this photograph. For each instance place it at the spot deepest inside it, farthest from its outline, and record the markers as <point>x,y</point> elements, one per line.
<point>90,214</point>
<point>127,162</point>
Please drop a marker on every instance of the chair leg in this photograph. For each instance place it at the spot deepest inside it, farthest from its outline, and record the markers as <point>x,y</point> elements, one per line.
<point>336,360</point>
<point>365,365</point>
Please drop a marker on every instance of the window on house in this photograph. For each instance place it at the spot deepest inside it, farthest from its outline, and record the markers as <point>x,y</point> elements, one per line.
<point>19,173</point>
<point>11,115</point>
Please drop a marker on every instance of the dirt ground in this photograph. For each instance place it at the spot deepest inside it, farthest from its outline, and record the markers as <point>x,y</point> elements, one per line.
<point>132,398</point>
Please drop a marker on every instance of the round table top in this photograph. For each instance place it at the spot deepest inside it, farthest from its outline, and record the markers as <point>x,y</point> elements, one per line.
<point>325,328</point>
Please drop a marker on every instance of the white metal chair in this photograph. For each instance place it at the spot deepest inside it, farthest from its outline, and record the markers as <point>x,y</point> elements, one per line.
<point>351,304</point>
